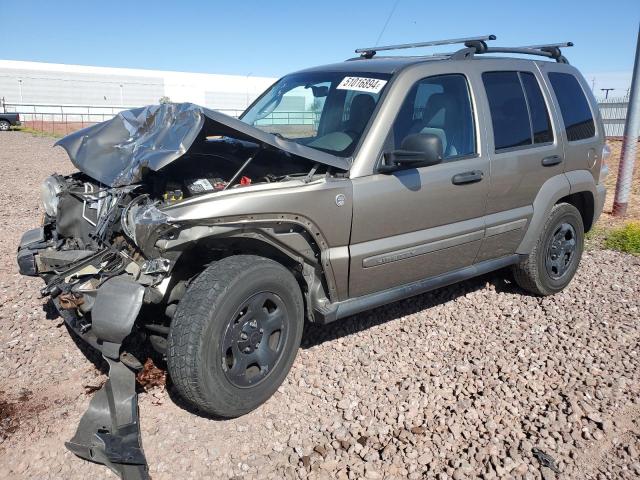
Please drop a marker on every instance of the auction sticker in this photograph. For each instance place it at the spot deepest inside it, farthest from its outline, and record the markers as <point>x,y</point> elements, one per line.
<point>362,84</point>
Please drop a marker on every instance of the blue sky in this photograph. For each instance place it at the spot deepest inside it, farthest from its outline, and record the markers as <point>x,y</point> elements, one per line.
<point>271,38</point>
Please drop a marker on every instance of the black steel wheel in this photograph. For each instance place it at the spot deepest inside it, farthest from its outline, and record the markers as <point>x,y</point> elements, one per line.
<point>555,258</point>
<point>254,340</point>
<point>561,249</point>
<point>235,335</point>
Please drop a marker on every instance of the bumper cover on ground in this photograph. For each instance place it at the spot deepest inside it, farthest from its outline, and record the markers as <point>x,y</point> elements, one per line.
<point>109,431</point>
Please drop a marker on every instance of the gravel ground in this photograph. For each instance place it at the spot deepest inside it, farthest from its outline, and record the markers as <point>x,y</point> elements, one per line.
<point>459,383</point>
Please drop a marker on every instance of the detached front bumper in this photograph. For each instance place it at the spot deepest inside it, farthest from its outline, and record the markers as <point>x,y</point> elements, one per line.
<point>109,431</point>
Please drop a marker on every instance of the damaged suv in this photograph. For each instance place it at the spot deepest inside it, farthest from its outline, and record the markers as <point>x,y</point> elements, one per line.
<point>214,238</point>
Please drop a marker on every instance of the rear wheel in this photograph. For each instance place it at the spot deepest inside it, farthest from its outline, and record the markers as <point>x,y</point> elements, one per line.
<point>4,126</point>
<point>556,256</point>
<point>235,335</point>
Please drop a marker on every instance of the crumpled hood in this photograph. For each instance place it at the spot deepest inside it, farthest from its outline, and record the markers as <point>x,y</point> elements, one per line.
<point>118,151</point>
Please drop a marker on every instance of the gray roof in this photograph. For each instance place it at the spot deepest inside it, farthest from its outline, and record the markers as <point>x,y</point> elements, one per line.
<point>373,65</point>
<point>393,64</point>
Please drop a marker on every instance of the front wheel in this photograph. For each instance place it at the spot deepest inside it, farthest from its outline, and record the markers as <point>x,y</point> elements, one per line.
<point>556,256</point>
<point>235,335</point>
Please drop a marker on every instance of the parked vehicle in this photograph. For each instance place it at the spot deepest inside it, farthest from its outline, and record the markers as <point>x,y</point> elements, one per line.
<point>419,172</point>
<point>8,120</point>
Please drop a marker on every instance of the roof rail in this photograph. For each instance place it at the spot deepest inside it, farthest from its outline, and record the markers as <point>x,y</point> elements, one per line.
<point>469,42</point>
<point>550,50</point>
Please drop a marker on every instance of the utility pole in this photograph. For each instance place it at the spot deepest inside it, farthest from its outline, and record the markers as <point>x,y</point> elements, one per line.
<point>630,141</point>
<point>606,92</point>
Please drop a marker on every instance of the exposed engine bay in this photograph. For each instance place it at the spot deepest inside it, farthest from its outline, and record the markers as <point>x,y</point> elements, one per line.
<point>89,229</point>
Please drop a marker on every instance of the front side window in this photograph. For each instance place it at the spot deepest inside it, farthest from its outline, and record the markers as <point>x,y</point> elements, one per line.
<point>328,111</point>
<point>440,105</point>
<point>574,107</point>
<point>519,113</point>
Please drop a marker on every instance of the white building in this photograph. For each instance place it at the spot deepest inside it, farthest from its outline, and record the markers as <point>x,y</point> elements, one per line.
<point>32,86</point>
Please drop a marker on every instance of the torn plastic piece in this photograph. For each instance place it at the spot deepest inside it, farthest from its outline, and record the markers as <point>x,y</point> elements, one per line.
<point>545,459</point>
<point>109,431</point>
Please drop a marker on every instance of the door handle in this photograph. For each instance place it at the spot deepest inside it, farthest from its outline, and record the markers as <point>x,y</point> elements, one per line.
<point>467,177</point>
<point>551,160</point>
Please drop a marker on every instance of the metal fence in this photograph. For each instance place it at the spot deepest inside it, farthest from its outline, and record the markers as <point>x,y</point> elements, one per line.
<point>614,114</point>
<point>64,119</point>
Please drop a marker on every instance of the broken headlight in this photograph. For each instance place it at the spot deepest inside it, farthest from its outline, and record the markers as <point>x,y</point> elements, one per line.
<point>49,191</point>
<point>140,219</point>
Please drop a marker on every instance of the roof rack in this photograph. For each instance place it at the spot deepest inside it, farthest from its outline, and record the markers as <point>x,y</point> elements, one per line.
<point>549,50</point>
<point>474,46</point>
<point>469,42</point>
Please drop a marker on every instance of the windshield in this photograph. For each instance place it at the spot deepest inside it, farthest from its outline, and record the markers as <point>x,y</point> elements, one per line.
<point>324,110</point>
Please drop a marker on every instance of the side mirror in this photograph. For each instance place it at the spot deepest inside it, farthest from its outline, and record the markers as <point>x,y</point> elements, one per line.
<point>417,150</point>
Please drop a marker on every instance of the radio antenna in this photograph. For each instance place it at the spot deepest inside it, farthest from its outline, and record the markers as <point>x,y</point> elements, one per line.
<point>384,27</point>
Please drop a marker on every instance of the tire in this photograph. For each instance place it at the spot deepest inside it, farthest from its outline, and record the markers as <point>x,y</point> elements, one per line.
<point>552,264</point>
<point>4,126</point>
<point>224,355</point>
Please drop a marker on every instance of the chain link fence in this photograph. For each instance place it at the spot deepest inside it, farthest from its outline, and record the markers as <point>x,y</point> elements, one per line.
<point>614,115</point>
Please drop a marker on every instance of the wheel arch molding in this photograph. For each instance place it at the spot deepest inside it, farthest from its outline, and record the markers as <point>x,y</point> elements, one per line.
<point>291,240</point>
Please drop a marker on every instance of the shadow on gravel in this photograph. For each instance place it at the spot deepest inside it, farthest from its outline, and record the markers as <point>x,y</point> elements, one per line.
<point>317,334</point>
<point>91,354</point>
<point>313,334</point>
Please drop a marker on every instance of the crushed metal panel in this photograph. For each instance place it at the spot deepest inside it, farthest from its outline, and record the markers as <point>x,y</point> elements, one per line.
<point>118,151</point>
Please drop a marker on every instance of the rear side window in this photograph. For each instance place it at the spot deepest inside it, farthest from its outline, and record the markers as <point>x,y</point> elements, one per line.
<point>576,114</point>
<point>519,114</point>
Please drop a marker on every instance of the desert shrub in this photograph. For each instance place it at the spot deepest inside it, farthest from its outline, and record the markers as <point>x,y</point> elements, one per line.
<point>625,238</point>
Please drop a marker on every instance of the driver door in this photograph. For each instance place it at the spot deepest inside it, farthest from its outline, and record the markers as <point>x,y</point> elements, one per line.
<point>421,222</point>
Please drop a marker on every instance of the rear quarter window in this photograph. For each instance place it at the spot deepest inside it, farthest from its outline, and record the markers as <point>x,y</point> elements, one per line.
<point>574,107</point>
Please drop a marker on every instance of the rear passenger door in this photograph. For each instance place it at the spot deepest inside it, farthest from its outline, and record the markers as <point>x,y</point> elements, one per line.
<point>525,151</point>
